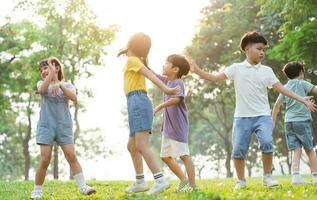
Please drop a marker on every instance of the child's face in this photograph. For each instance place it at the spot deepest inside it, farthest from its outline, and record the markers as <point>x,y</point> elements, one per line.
<point>255,52</point>
<point>44,70</point>
<point>168,68</point>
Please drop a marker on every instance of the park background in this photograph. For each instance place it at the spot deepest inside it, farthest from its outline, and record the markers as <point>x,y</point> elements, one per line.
<point>86,36</point>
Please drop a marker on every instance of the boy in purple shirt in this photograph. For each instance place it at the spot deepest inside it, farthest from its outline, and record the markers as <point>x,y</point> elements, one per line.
<point>175,122</point>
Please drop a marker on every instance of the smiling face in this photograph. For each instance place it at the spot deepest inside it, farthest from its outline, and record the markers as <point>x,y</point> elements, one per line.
<point>255,52</point>
<point>170,70</point>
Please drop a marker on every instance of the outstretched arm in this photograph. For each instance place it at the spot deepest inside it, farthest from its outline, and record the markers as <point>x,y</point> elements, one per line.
<point>170,102</point>
<point>213,77</point>
<point>276,109</point>
<point>305,100</point>
<point>148,74</point>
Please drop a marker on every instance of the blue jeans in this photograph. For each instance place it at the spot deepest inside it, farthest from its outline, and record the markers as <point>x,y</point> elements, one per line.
<point>242,130</point>
<point>299,134</point>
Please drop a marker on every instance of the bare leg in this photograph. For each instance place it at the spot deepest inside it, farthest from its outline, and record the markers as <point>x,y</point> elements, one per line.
<point>267,162</point>
<point>46,154</point>
<point>296,159</point>
<point>142,145</point>
<point>172,164</point>
<point>190,169</point>
<point>239,165</point>
<point>135,155</point>
<point>69,152</point>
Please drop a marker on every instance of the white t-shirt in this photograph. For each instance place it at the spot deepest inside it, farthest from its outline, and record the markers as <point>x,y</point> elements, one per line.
<point>250,84</point>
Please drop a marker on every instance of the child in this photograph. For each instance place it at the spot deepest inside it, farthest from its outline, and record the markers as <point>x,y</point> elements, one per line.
<point>298,130</point>
<point>252,112</point>
<point>140,112</point>
<point>55,124</point>
<point>175,122</point>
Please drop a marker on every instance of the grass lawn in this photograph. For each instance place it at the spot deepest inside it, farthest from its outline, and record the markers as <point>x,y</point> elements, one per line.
<point>208,189</point>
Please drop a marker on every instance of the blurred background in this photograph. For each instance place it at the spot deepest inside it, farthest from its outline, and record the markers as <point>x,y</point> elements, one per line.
<point>86,36</point>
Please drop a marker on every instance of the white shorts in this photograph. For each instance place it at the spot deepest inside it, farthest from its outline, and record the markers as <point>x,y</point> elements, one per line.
<point>173,148</point>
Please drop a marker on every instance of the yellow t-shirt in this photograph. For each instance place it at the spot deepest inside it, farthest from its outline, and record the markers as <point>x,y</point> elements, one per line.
<point>133,80</point>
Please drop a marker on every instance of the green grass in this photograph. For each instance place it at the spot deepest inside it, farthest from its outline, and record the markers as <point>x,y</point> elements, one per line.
<point>214,189</point>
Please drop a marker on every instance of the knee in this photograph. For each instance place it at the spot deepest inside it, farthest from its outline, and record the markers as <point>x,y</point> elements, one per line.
<point>185,158</point>
<point>131,148</point>
<point>45,161</point>
<point>166,159</point>
<point>71,158</point>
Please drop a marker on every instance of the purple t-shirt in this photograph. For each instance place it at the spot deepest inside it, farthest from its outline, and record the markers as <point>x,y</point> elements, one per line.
<point>175,118</point>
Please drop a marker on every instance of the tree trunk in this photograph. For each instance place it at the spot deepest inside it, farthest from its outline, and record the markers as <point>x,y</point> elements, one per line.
<point>249,168</point>
<point>55,169</point>
<point>228,159</point>
<point>26,140</point>
<point>282,168</point>
<point>289,164</point>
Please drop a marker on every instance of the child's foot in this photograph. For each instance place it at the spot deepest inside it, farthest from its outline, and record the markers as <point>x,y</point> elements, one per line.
<point>240,184</point>
<point>269,181</point>
<point>297,180</point>
<point>159,187</point>
<point>137,187</point>
<point>35,194</point>
<point>191,189</point>
<point>87,190</point>
<point>182,185</point>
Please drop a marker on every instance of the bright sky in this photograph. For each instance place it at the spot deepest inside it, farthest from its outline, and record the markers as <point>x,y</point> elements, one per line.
<point>171,25</point>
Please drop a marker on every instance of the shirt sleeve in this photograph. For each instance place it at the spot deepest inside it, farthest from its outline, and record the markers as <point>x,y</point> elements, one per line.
<point>162,78</point>
<point>281,98</point>
<point>70,86</point>
<point>134,64</point>
<point>271,79</point>
<point>230,72</point>
<point>181,93</point>
<point>307,86</point>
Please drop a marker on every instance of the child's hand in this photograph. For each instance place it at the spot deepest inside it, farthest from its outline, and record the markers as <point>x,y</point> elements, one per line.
<point>55,88</point>
<point>173,91</point>
<point>192,64</point>
<point>309,104</point>
<point>51,66</point>
<point>157,109</point>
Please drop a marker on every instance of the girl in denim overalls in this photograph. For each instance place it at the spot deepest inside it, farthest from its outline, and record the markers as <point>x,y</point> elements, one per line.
<point>55,124</point>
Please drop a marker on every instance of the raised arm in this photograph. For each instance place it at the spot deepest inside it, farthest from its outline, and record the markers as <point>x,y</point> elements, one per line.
<point>42,89</point>
<point>69,93</point>
<point>276,109</point>
<point>148,74</point>
<point>213,77</point>
<point>305,100</point>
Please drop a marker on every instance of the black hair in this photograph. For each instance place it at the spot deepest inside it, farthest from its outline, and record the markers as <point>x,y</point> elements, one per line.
<point>251,38</point>
<point>180,62</point>
<point>293,69</point>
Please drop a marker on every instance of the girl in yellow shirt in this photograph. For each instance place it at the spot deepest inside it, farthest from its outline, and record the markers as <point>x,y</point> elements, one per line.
<point>140,112</point>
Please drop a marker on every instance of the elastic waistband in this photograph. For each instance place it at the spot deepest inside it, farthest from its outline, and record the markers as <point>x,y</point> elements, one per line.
<point>136,92</point>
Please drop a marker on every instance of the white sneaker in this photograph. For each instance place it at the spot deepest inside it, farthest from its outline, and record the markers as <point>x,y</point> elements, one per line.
<point>159,187</point>
<point>269,181</point>
<point>182,185</point>
<point>35,194</point>
<point>137,187</point>
<point>298,180</point>
<point>87,190</point>
<point>240,184</point>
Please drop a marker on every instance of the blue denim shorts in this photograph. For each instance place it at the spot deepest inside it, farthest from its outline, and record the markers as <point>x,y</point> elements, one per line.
<point>140,112</point>
<point>242,130</point>
<point>299,134</point>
